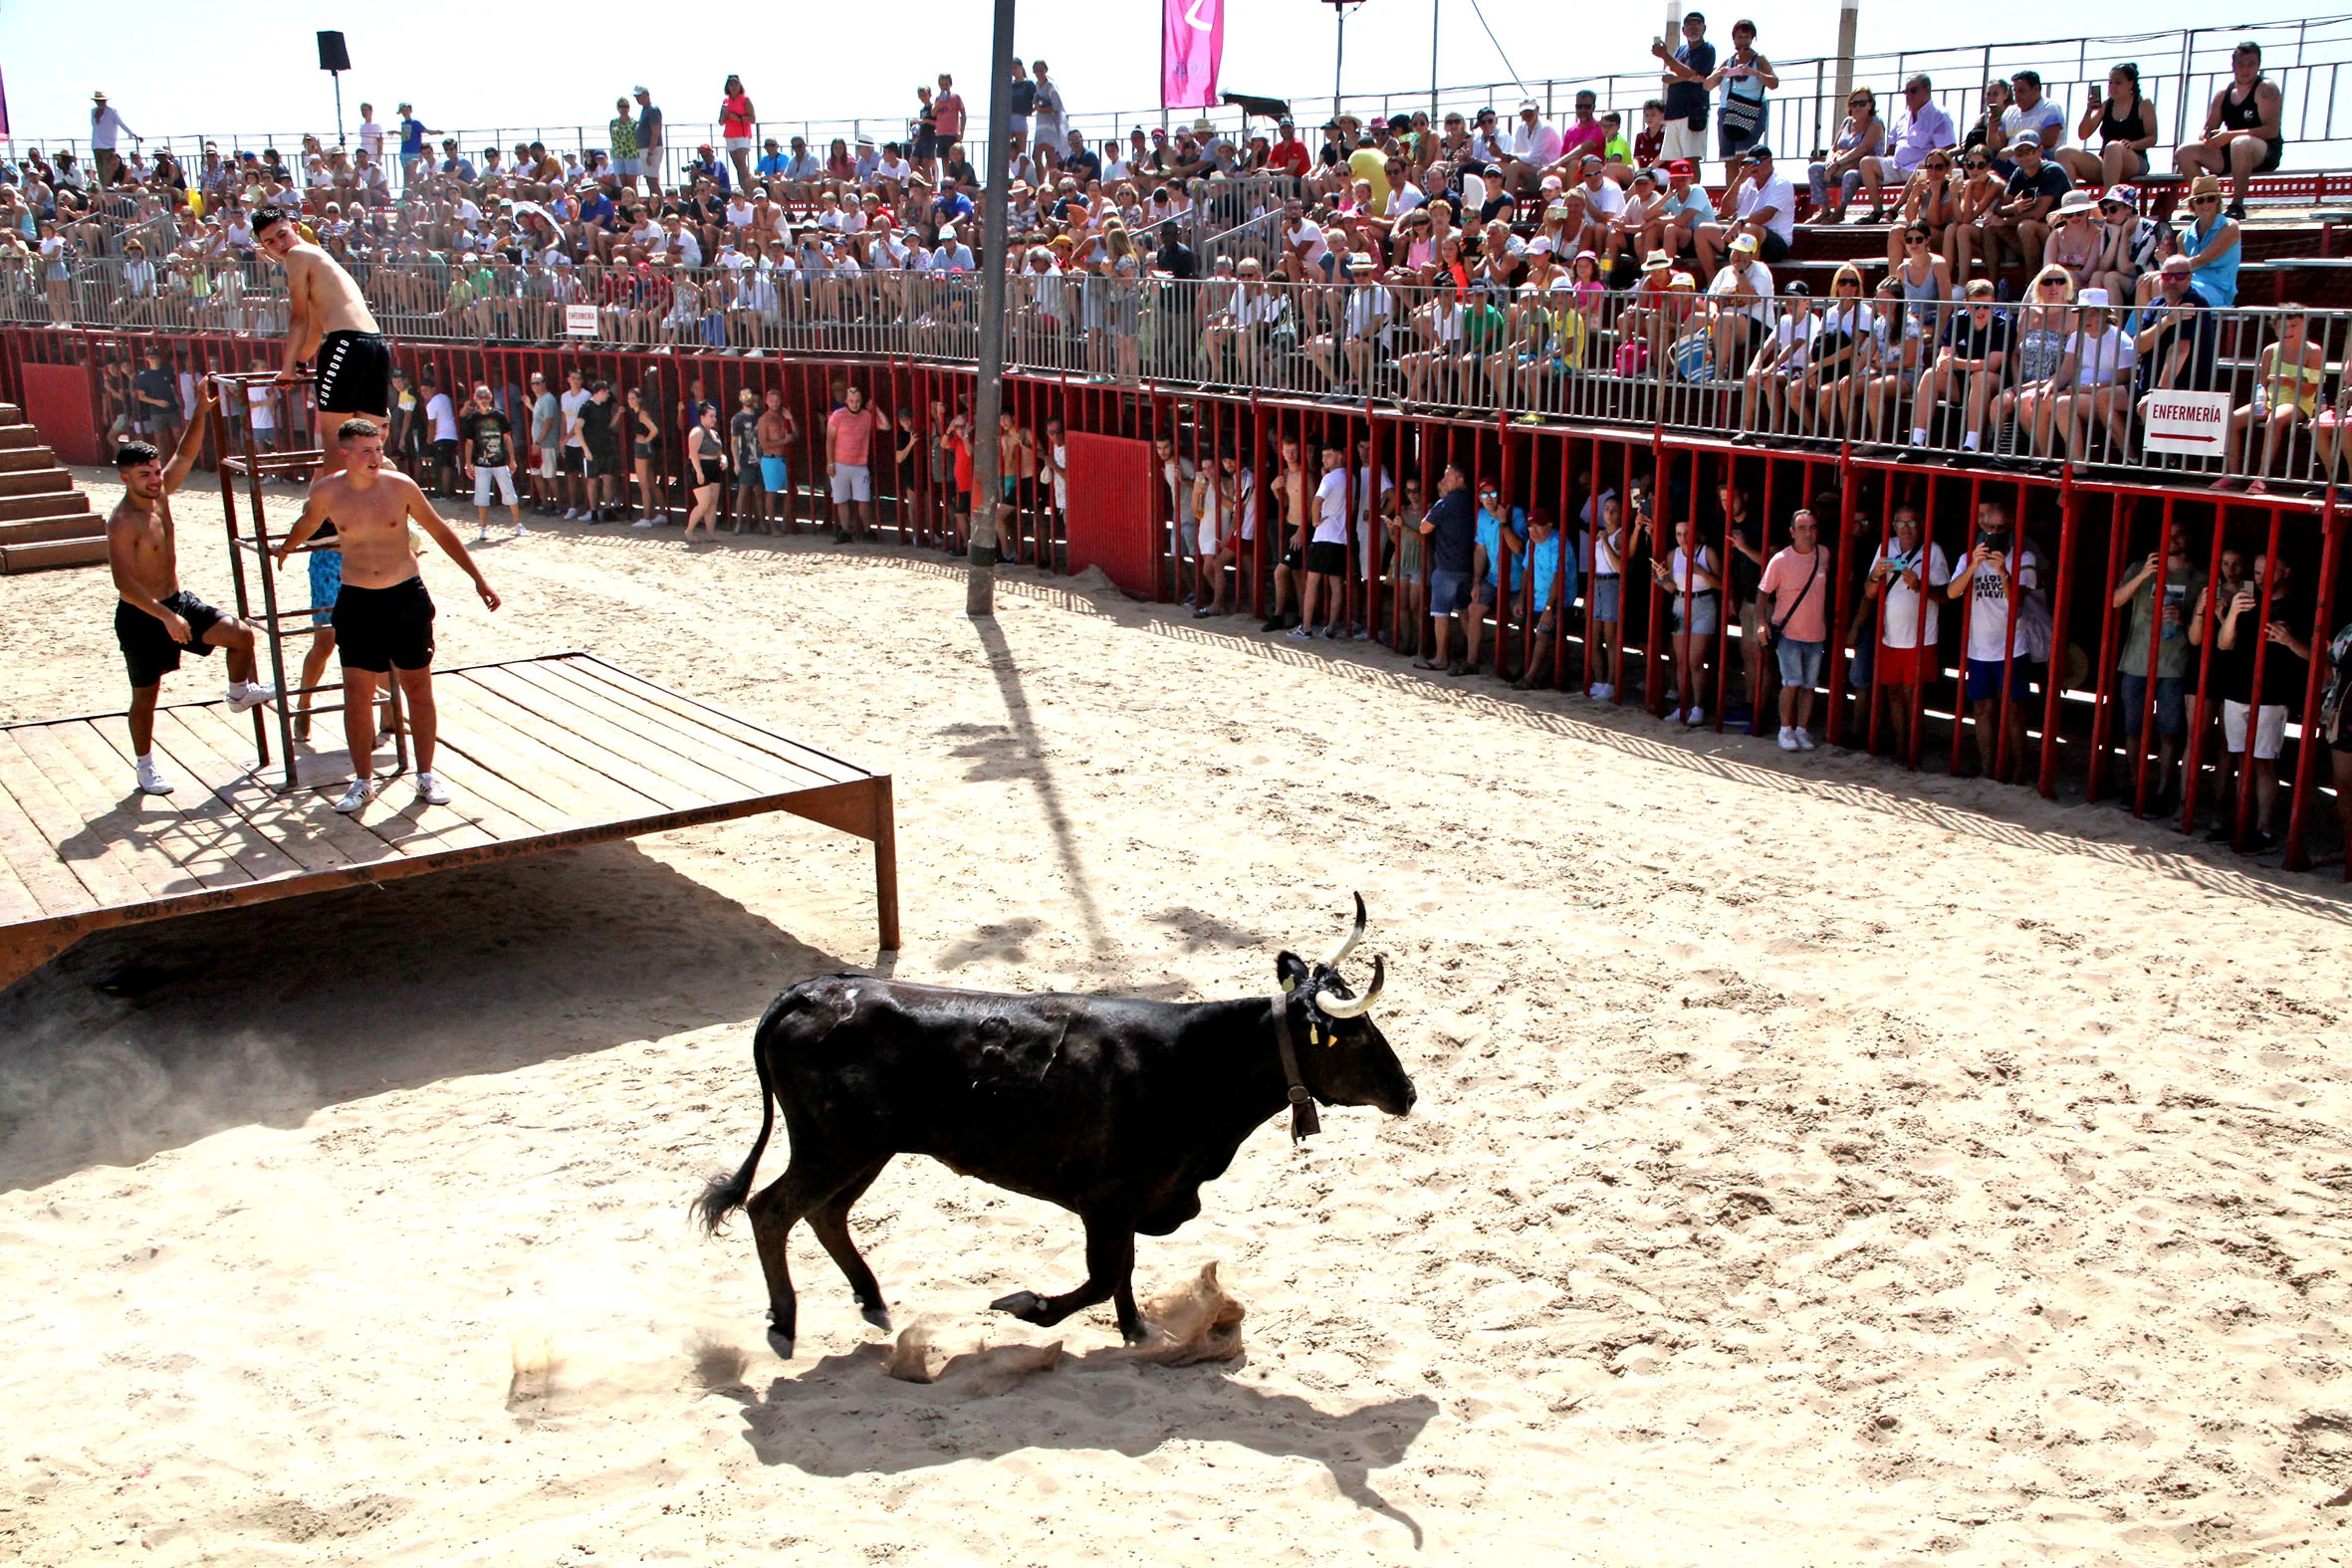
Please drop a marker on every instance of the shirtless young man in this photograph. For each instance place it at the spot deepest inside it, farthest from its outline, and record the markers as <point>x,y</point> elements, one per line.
<point>155,621</point>
<point>383,617</point>
<point>327,316</point>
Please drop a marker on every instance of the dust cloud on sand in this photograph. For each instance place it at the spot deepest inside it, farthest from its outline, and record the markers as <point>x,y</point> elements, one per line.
<point>1812,1165</point>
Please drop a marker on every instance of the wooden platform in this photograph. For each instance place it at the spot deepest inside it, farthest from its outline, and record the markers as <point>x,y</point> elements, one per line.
<point>542,754</point>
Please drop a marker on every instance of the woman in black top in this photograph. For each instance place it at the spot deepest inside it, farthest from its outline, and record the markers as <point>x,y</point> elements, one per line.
<point>707,463</point>
<point>2125,124</point>
<point>2243,133</point>
<point>644,451</point>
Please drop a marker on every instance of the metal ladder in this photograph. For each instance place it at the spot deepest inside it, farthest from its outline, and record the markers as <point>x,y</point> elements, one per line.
<point>252,539</point>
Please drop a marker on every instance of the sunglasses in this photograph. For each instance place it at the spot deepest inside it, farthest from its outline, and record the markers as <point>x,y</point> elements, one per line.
<point>1980,163</point>
<point>1915,239</point>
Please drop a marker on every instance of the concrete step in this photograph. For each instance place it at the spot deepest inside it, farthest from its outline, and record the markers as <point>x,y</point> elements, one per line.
<point>53,552</point>
<point>45,503</point>
<point>17,460</point>
<point>33,480</point>
<point>15,436</point>
<point>10,414</point>
<point>40,531</point>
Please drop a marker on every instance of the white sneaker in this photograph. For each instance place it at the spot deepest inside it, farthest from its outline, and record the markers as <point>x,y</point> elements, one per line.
<point>1805,742</point>
<point>358,794</point>
<point>1694,718</point>
<point>643,523</point>
<point>151,780</point>
<point>251,697</point>
<point>481,535</point>
<point>1602,692</point>
<point>1787,739</point>
<point>573,516</point>
<point>521,531</point>
<point>431,790</point>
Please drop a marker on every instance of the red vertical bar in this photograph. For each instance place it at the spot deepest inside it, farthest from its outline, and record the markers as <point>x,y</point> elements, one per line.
<point>2094,782</point>
<point>2053,692</point>
<point>1841,594</point>
<point>2310,748</point>
<point>2205,711</point>
<point>2246,764</point>
<point>2149,703</point>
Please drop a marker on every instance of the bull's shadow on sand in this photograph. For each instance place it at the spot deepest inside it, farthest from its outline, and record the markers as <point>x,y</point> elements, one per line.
<point>1089,1402</point>
<point>151,1036</point>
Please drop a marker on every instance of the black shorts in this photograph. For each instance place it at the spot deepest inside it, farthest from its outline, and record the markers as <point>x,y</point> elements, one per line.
<point>599,465</point>
<point>355,374</point>
<point>1329,558</point>
<point>572,460</point>
<point>148,652</point>
<point>382,629</point>
<point>1293,558</point>
<point>445,454</point>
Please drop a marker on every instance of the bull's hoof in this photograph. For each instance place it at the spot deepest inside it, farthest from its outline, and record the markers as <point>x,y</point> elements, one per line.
<point>877,1314</point>
<point>1026,1305</point>
<point>782,1344</point>
<point>1136,1335</point>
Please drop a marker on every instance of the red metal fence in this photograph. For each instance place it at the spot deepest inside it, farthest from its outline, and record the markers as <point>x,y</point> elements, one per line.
<point>2067,715</point>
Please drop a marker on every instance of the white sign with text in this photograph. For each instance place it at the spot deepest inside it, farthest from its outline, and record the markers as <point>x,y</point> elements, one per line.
<point>2193,424</point>
<point>580,320</point>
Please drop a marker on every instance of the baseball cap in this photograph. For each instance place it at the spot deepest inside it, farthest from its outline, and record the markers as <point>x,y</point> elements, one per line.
<point>2124,194</point>
<point>640,90</point>
<point>1684,167</point>
<point>2026,138</point>
<point>1744,242</point>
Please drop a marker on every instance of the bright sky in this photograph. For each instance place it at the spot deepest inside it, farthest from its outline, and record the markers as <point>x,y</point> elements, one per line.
<point>237,66</point>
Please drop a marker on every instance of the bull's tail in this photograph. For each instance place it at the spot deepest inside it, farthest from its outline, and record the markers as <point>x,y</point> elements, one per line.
<point>724,1194</point>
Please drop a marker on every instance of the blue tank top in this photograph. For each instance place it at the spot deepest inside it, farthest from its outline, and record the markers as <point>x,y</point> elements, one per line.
<point>2217,280</point>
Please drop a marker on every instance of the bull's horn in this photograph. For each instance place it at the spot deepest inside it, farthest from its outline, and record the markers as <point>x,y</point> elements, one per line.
<point>1349,942</point>
<point>1352,1006</point>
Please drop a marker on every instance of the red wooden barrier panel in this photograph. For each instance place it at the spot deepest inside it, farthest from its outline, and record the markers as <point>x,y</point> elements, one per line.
<point>1111,521</point>
<point>57,404</point>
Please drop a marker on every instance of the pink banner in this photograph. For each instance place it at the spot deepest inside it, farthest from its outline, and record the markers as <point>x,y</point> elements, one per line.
<point>1192,43</point>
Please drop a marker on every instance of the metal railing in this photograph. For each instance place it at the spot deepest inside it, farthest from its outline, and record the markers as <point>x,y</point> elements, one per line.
<point>1951,380</point>
<point>2180,70</point>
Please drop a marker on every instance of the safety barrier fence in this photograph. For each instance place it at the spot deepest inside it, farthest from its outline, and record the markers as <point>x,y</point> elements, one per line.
<point>2179,71</point>
<point>2057,695</point>
<point>2165,388</point>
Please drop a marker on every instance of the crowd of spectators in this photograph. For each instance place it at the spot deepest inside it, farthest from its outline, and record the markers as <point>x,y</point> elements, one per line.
<point>1423,257</point>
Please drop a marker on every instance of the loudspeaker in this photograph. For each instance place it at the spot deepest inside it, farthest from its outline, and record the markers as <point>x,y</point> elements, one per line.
<point>331,55</point>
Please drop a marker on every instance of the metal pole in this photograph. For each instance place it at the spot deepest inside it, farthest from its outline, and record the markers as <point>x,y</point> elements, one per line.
<point>1849,19</point>
<point>1338,53</point>
<point>981,585</point>
<point>1433,5</point>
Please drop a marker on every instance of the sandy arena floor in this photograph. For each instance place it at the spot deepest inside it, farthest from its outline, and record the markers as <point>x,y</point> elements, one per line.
<point>1813,1165</point>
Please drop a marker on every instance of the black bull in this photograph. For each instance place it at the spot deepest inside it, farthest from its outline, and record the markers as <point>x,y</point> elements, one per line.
<point>1116,1109</point>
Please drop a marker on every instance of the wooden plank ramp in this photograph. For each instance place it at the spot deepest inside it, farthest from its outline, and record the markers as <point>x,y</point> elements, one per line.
<point>542,754</point>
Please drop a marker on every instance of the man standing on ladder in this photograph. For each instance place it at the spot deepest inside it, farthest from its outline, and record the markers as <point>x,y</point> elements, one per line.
<point>327,316</point>
<point>383,617</point>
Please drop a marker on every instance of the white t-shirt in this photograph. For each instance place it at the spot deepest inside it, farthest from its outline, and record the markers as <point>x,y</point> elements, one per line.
<point>1178,472</point>
<point>1795,334</point>
<point>1608,200</point>
<point>1760,277</point>
<point>1899,627</point>
<point>372,138</point>
<point>1988,606</point>
<point>1246,500</point>
<point>2101,360</point>
<point>1060,477</point>
<point>1775,193</point>
<point>1309,234</point>
<point>571,402</point>
<point>444,413</point>
<point>264,409</point>
<point>1330,500</point>
<point>1680,568</point>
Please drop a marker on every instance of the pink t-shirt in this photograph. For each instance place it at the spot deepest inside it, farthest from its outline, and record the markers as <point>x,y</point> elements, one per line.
<point>948,112</point>
<point>852,435</point>
<point>1785,574</point>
